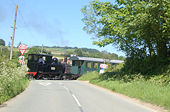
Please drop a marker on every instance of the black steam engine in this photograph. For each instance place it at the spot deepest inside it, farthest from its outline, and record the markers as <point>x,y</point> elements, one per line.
<point>44,66</point>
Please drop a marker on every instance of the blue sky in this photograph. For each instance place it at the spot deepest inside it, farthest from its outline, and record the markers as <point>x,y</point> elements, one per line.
<point>47,22</point>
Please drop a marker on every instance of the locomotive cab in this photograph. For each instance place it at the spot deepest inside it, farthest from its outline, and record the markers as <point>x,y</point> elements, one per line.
<point>43,66</point>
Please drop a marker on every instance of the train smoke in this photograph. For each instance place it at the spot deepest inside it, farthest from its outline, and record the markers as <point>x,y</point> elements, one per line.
<point>51,29</point>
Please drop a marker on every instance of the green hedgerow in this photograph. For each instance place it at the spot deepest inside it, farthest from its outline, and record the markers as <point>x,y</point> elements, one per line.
<point>13,80</point>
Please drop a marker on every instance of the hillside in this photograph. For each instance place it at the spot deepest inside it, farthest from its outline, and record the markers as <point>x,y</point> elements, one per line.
<point>86,52</point>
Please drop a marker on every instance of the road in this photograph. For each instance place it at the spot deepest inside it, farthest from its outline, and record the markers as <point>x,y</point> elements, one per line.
<point>68,96</point>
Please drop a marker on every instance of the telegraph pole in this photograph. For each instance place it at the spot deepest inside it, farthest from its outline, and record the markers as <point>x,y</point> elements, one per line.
<point>12,44</point>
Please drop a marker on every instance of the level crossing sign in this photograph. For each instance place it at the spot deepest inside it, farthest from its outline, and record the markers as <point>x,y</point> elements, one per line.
<point>22,48</point>
<point>21,60</point>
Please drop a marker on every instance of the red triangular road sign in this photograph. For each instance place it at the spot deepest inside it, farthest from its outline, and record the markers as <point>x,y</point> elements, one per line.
<point>22,51</point>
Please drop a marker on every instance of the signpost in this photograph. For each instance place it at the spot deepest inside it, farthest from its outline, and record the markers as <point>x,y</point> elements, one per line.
<point>102,68</point>
<point>21,60</point>
<point>22,49</point>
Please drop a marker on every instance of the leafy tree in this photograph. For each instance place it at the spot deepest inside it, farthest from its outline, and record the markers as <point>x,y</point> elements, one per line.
<point>37,50</point>
<point>138,27</point>
<point>121,58</point>
<point>34,50</point>
<point>2,42</point>
<point>115,56</point>
<point>78,52</point>
<point>45,51</point>
<point>4,52</point>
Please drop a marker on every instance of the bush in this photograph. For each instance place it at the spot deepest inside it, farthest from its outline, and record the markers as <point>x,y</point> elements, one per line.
<point>115,69</point>
<point>147,66</point>
<point>12,78</point>
<point>2,42</point>
<point>4,52</point>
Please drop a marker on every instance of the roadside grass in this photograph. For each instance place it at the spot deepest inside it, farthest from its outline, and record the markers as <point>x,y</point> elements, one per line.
<point>146,90</point>
<point>89,76</point>
<point>12,80</point>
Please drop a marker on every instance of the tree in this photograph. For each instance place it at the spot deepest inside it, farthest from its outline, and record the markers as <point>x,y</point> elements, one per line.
<point>78,52</point>
<point>138,27</point>
<point>2,42</point>
<point>37,50</point>
<point>34,50</point>
<point>121,58</point>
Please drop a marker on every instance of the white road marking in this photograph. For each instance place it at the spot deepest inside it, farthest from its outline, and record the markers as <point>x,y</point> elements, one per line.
<point>74,97</point>
<point>44,83</point>
<point>60,83</point>
<point>77,101</point>
<point>66,88</point>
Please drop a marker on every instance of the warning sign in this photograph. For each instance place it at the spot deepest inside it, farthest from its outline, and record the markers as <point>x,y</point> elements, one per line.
<point>21,60</point>
<point>22,51</point>
<point>22,48</point>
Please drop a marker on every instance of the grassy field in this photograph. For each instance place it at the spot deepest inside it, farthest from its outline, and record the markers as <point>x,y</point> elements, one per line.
<point>145,90</point>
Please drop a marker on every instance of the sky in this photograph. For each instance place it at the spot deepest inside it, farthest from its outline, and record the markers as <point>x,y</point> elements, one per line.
<point>47,22</point>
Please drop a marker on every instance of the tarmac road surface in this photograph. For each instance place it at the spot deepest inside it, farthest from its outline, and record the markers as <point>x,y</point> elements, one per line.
<point>68,96</point>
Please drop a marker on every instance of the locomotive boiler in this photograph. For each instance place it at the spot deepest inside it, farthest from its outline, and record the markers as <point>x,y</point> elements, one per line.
<point>44,66</point>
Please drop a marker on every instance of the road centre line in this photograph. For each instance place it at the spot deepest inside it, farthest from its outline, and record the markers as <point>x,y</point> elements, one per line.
<point>66,88</point>
<point>44,84</point>
<point>77,101</point>
<point>60,83</point>
<point>74,97</point>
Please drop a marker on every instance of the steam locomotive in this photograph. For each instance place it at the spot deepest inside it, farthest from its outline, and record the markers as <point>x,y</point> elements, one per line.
<point>44,66</point>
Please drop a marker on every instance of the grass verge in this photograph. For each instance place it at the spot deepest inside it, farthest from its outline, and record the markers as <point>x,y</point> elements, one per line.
<point>146,90</point>
<point>89,76</point>
<point>12,80</point>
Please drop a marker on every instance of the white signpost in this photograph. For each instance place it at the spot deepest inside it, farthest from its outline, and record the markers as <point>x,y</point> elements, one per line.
<point>102,68</point>
<point>22,49</point>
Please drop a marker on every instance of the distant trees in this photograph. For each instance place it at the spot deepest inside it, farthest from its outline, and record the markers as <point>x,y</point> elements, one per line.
<point>96,54</point>
<point>2,42</point>
<point>67,51</point>
<point>34,50</point>
<point>78,52</point>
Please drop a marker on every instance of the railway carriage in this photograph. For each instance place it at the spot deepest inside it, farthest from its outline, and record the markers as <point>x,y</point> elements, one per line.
<point>81,65</point>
